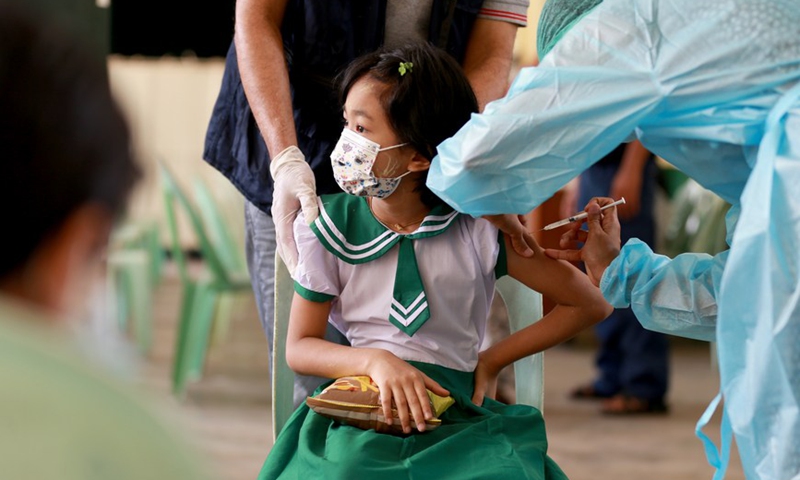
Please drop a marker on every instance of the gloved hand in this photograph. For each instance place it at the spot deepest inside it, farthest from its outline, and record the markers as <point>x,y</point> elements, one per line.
<point>295,189</point>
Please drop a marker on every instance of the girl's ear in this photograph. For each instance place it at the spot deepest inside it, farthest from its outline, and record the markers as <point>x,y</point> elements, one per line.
<point>418,163</point>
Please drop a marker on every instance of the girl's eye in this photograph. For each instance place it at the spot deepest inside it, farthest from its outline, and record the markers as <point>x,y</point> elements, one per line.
<point>359,129</point>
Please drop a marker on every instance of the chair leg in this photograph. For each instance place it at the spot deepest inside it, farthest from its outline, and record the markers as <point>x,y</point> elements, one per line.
<point>205,300</point>
<point>179,363</point>
<point>141,305</point>
<point>153,242</point>
<point>116,299</point>
<point>226,304</point>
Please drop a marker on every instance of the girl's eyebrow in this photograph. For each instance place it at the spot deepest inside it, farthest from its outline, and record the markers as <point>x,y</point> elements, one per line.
<point>360,113</point>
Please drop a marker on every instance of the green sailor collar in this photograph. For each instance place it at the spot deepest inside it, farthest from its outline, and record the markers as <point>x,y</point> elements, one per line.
<point>347,229</point>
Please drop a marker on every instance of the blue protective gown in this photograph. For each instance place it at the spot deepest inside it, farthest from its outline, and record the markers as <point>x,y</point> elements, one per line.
<point>711,86</point>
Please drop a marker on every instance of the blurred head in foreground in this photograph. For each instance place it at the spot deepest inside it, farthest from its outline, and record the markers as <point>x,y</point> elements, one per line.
<point>66,164</point>
<point>66,171</point>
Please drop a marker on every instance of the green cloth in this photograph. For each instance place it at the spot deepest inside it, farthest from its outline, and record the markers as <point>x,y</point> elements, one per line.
<point>311,295</point>
<point>488,442</point>
<point>557,17</point>
<point>62,419</point>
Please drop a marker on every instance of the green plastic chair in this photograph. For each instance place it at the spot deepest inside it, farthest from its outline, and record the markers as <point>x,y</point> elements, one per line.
<point>141,235</point>
<point>201,295</point>
<point>524,308</point>
<point>230,251</point>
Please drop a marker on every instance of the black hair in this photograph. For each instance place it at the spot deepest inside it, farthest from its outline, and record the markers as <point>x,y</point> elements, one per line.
<point>64,141</point>
<point>426,105</point>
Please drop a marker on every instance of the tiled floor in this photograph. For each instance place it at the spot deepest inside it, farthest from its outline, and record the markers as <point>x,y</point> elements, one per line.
<point>226,415</point>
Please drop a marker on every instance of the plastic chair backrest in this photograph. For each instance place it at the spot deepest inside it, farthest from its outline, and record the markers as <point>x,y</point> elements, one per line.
<point>219,230</point>
<point>524,308</point>
<point>173,192</point>
<point>282,375</point>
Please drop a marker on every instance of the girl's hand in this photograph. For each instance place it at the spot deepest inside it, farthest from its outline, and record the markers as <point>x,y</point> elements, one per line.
<point>485,380</point>
<point>398,380</point>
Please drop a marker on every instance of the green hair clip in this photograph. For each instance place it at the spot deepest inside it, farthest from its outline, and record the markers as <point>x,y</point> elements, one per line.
<point>405,67</point>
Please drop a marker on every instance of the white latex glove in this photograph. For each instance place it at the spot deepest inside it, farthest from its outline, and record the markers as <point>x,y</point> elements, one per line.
<point>295,189</point>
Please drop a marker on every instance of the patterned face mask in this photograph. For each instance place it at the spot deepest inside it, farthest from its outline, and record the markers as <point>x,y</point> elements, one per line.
<point>352,160</point>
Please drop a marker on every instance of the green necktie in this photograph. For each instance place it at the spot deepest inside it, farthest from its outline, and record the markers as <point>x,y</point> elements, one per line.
<point>409,309</point>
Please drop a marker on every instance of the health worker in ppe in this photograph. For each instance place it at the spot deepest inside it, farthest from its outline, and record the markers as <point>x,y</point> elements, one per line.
<point>711,86</point>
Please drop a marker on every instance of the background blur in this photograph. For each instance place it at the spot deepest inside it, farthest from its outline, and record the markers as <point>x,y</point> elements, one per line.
<point>165,61</point>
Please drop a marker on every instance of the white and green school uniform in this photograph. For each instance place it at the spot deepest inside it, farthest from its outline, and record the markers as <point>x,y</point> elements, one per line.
<point>409,294</point>
<point>424,297</point>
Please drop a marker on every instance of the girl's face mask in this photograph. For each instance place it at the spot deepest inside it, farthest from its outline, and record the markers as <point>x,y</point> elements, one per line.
<point>352,160</point>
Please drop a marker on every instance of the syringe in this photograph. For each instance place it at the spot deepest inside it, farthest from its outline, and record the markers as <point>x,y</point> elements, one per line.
<point>581,216</point>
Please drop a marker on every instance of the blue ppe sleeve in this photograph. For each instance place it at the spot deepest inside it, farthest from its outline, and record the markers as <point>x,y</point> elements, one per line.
<point>675,296</point>
<point>666,72</point>
<point>556,120</point>
<point>487,166</point>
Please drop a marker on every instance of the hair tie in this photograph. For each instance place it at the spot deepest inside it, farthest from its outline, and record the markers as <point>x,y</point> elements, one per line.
<point>405,67</point>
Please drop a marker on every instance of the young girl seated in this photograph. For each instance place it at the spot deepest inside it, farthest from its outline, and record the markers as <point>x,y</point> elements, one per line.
<point>409,282</point>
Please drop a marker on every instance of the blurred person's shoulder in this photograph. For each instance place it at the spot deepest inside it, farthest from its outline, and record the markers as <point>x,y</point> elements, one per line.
<point>62,418</point>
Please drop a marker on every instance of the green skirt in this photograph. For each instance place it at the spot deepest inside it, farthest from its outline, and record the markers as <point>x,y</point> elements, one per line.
<point>487,442</point>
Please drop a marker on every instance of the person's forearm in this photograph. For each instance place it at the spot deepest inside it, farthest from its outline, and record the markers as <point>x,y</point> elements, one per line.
<point>634,159</point>
<point>316,356</point>
<point>561,324</point>
<point>629,178</point>
<point>487,62</point>
<point>262,67</point>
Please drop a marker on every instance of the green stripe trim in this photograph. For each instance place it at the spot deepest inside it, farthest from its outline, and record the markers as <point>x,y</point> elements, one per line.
<point>348,230</point>
<point>501,267</point>
<point>311,295</point>
<point>351,218</point>
<point>323,232</point>
<point>438,227</point>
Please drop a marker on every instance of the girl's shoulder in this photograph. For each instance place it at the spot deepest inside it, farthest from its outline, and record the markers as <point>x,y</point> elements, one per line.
<point>487,243</point>
<point>480,232</point>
